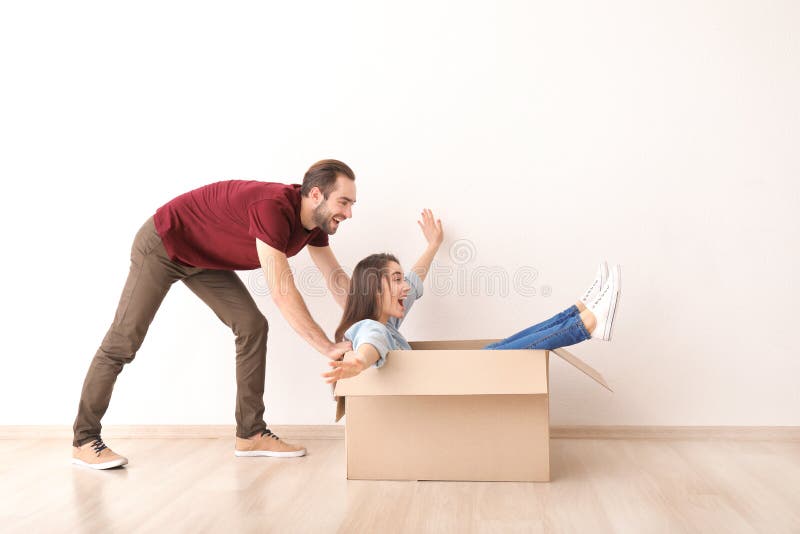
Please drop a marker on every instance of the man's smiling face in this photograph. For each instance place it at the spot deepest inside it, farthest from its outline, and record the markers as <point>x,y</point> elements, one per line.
<point>337,207</point>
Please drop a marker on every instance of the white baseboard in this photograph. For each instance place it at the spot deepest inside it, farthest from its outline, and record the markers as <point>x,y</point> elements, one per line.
<point>305,432</point>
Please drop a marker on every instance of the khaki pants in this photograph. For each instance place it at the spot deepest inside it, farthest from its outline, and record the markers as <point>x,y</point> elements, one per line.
<point>151,275</point>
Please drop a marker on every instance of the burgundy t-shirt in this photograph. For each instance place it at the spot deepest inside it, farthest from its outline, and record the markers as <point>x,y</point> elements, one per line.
<point>216,226</point>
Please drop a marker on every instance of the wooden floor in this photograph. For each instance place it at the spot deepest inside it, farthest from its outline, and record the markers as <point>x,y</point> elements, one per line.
<point>197,485</point>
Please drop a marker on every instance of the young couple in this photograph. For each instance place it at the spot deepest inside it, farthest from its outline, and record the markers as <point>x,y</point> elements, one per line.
<point>202,237</point>
<point>381,296</point>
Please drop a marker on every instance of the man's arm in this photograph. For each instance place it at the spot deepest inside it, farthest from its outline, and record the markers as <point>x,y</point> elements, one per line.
<point>288,299</point>
<point>335,278</point>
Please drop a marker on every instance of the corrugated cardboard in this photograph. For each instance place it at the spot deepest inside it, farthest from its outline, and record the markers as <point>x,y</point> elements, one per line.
<point>449,411</point>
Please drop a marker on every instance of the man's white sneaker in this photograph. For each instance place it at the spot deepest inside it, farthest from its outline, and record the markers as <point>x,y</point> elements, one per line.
<point>605,305</point>
<point>594,289</point>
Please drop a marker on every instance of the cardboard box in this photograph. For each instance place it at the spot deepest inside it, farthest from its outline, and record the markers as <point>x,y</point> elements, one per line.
<point>448,411</point>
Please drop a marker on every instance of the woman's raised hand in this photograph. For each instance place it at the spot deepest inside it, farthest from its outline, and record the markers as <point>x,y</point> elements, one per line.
<point>431,228</point>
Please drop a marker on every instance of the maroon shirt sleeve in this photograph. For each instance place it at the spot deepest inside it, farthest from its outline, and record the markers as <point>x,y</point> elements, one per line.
<point>271,222</point>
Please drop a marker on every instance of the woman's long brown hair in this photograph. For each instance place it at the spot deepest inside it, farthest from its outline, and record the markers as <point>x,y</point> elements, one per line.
<point>365,288</point>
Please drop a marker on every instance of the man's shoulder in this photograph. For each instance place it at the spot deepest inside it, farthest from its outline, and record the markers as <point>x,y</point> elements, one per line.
<point>256,191</point>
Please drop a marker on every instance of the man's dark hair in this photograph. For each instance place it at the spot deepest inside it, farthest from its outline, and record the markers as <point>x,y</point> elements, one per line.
<point>323,174</point>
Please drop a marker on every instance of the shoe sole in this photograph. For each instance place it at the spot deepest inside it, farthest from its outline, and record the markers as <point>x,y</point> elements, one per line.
<point>104,465</point>
<point>614,303</point>
<point>273,454</point>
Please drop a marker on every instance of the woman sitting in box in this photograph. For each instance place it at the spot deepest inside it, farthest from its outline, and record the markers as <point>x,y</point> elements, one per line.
<point>380,297</point>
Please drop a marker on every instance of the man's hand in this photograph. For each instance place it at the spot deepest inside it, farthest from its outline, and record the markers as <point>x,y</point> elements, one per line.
<point>337,350</point>
<point>342,369</point>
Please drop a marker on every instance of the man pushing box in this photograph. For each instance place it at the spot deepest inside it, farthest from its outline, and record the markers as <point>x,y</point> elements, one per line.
<point>201,238</point>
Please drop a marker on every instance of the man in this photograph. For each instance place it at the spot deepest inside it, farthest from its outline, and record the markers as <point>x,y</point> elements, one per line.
<point>200,238</point>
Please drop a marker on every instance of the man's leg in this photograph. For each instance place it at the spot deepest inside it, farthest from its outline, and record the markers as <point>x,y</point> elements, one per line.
<point>227,296</point>
<point>150,277</point>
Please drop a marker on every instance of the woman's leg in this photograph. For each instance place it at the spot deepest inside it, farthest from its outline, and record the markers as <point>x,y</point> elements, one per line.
<point>557,319</point>
<point>573,330</point>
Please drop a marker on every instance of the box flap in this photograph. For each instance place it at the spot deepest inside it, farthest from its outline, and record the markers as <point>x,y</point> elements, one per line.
<point>582,366</point>
<point>452,372</point>
<point>339,408</point>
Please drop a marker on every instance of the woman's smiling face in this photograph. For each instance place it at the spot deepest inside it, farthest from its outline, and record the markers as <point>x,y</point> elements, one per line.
<point>395,290</point>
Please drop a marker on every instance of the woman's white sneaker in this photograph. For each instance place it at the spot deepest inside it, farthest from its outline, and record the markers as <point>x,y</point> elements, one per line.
<point>594,289</point>
<point>604,306</point>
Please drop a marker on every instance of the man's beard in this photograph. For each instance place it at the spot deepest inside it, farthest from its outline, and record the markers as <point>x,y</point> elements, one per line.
<point>322,218</point>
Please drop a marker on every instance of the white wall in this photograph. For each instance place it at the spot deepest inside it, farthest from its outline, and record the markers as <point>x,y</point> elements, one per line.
<point>661,135</point>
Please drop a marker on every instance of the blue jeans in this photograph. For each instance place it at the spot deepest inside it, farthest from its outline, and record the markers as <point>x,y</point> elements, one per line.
<point>561,330</point>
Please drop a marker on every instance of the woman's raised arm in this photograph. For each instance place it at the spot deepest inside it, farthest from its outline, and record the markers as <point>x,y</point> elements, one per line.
<point>434,235</point>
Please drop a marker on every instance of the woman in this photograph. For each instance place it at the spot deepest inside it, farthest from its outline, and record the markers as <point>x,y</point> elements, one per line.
<point>380,298</point>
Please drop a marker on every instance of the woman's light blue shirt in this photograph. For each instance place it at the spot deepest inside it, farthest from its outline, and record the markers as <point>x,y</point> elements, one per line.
<point>386,337</point>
